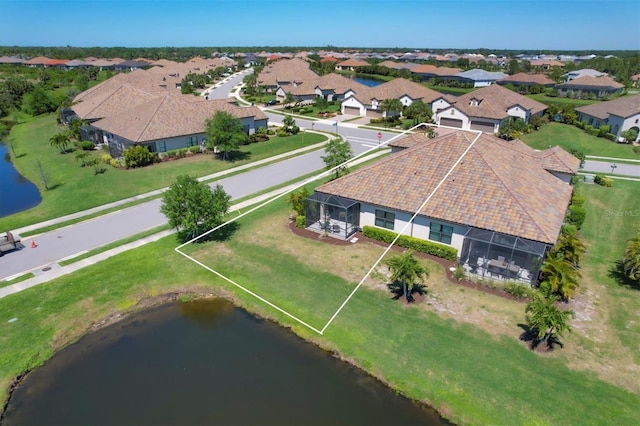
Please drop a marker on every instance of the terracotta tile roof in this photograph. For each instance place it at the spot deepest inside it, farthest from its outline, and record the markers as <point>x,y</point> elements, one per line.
<point>496,189</point>
<point>397,88</point>
<point>286,70</point>
<point>524,78</point>
<point>591,82</point>
<point>624,107</point>
<point>547,62</point>
<point>105,103</point>
<point>494,101</point>
<point>557,159</point>
<point>391,64</point>
<point>352,63</point>
<point>171,115</point>
<point>11,60</point>
<point>39,60</point>
<point>434,70</point>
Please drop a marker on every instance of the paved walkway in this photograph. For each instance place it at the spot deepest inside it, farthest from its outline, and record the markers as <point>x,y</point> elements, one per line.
<point>119,203</point>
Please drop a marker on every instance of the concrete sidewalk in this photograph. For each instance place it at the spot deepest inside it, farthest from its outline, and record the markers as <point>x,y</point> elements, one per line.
<point>144,196</point>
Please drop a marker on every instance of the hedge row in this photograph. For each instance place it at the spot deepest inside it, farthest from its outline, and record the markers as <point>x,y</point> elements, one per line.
<point>417,244</point>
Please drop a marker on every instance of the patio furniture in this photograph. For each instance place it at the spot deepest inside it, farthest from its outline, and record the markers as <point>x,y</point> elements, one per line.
<point>501,267</point>
<point>336,229</point>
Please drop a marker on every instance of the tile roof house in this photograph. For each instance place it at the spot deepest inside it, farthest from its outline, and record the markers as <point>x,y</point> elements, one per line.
<point>488,199</point>
<point>433,72</point>
<point>546,64</point>
<point>487,108</point>
<point>590,86</point>
<point>619,114</point>
<point>171,121</point>
<point>285,72</point>
<point>351,65</point>
<point>524,79</point>
<point>585,72</point>
<point>367,101</point>
<point>330,86</point>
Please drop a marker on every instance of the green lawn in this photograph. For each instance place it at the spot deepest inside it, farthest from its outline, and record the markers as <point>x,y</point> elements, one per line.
<point>561,101</point>
<point>471,376</point>
<point>571,137</point>
<point>76,188</point>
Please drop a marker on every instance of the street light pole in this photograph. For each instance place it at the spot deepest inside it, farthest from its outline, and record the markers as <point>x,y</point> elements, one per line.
<point>613,167</point>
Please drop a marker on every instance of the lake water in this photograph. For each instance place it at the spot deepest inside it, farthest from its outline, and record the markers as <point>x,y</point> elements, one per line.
<point>204,362</point>
<point>367,81</point>
<point>16,192</point>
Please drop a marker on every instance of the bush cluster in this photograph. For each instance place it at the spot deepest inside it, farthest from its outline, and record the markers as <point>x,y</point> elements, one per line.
<point>417,244</point>
<point>603,180</point>
<point>300,221</point>
<point>518,290</point>
<point>139,156</point>
<point>576,216</point>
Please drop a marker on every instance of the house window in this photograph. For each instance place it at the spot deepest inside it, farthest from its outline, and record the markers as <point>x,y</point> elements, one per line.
<point>385,219</point>
<point>162,146</point>
<point>440,232</point>
<point>192,141</point>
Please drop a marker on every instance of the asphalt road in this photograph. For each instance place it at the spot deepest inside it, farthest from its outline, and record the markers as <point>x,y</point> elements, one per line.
<point>606,168</point>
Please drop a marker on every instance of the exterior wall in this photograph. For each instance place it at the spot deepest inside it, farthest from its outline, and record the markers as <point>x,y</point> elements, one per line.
<point>625,124</point>
<point>354,103</point>
<point>439,104</point>
<point>419,229</point>
<point>406,101</point>
<point>455,114</point>
<point>518,111</point>
<point>482,83</point>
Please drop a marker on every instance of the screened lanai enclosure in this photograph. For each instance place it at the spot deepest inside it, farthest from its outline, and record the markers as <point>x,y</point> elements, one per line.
<point>498,256</point>
<point>332,215</point>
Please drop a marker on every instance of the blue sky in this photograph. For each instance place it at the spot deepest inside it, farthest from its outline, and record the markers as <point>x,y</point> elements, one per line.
<point>503,24</point>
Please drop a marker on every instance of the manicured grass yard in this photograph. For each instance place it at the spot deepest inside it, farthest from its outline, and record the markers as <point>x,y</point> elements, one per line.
<point>77,188</point>
<point>428,351</point>
<point>571,137</point>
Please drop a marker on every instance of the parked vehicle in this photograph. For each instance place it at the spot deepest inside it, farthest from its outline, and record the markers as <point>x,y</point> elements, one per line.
<point>9,242</point>
<point>272,102</point>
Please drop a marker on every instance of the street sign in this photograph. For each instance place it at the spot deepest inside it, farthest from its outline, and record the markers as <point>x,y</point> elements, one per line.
<point>379,137</point>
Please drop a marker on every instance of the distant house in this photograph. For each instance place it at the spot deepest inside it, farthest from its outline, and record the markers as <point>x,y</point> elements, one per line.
<point>428,72</point>
<point>526,80</point>
<point>11,60</point>
<point>351,65</point>
<point>586,72</point>
<point>367,101</point>
<point>546,64</point>
<point>620,115</point>
<point>331,87</point>
<point>285,72</point>
<point>487,108</point>
<point>479,77</point>
<point>495,202</point>
<point>590,86</point>
<point>170,122</point>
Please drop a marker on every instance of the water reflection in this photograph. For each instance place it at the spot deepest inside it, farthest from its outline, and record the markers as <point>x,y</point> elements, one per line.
<point>16,192</point>
<point>204,363</point>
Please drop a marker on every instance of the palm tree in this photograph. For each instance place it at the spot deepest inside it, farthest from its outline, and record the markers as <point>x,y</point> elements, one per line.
<point>569,248</point>
<point>631,258</point>
<point>406,270</point>
<point>82,156</point>
<point>546,320</point>
<point>559,277</point>
<point>391,105</point>
<point>60,141</point>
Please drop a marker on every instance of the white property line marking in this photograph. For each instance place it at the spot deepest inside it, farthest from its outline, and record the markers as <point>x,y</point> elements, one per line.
<point>307,181</point>
<point>384,253</point>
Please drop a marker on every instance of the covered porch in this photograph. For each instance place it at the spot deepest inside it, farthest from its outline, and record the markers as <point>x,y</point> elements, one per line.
<point>332,215</point>
<point>490,254</point>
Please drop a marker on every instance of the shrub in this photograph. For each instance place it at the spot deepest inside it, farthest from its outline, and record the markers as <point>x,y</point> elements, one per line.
<point>295,130</point>
<point>139,156</point>
<point>610,136</point>
<point>257,138</point>
<point>518,290</point>
<point>569,230</point>
<point>194,149</point>
<point>182,152</point>
<point>576,216</point>
<point>417,244</point>
<point>282,133</point>
<point>577,200</point>
<point>86,145</point>
<point>603,130</point>
<point>603,180</point>
<point>114,163</point>
<point>271,132</point>
<point>581,124</point>
<point>459,273</point>
<point>300,221</point>
<point>593,132</point>
<point>587,127</point>
<point>106,158</point>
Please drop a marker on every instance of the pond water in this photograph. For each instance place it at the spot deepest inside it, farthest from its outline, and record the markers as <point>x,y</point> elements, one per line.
<point>367,81</point>
<point>16,192</point>
<point>204,362</point>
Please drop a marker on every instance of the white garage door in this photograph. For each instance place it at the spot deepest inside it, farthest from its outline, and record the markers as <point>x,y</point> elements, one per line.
<point>482,126</point>
<point>451,122</point>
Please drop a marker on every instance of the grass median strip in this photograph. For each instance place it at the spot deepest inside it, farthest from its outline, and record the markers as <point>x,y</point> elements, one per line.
<point>16,280</point>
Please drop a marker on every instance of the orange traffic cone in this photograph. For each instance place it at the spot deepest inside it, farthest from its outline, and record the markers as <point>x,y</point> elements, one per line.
<point>33,244</point>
